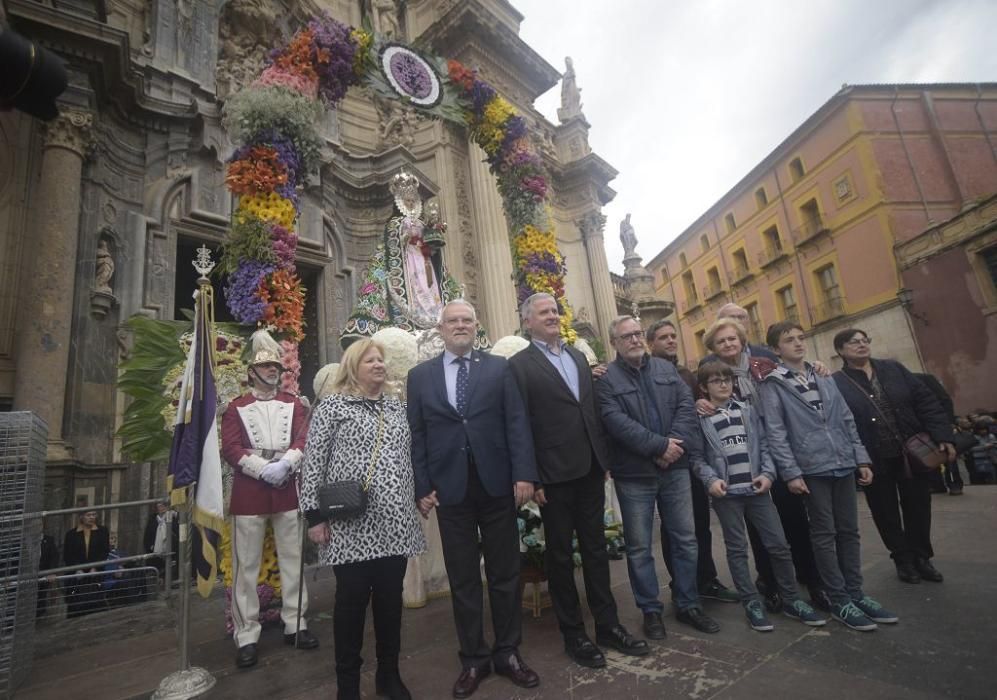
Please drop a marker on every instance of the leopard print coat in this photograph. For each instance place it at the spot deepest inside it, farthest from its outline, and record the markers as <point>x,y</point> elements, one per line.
<point>341,440</point>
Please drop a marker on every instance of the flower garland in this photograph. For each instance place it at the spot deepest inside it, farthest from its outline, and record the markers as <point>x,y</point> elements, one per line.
<point>274,121</point>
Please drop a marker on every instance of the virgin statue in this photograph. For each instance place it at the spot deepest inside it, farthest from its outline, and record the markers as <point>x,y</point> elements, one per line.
<point>406,282</point>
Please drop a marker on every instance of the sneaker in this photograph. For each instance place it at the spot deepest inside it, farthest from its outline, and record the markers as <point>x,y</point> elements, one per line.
<point>874,611</point>
<point>715,590</point>
<point>955,490</point>
<point>756,616</point>
<point>798,610</point>
<point>849,615</point>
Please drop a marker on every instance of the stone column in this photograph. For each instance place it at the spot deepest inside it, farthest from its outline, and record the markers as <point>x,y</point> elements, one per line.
<point>46,313</point>
<point>591,226</point>
<point>497,290</point>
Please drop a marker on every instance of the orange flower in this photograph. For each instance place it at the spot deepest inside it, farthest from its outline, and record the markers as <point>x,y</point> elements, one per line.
<point>260,172</point>
<point>285,298</point>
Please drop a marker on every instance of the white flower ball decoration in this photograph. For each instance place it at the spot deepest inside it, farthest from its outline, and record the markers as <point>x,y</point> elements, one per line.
<point>582,346</point>
<point>401,352</point>
<point>509,345</point>
<point>324,378</point>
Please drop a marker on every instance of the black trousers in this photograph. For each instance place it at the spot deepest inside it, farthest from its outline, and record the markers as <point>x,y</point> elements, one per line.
<point>901,509</point>
<point>793,515</point>
<point>578,506</point>
<point>706,569</point>
<point>495,517</point>
<point>378,582</point>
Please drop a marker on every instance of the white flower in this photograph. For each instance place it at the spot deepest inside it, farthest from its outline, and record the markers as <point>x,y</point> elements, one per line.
<point>401,352</point>
<point>324,378</point>
<point>584,348</point>
<point>509,345</point>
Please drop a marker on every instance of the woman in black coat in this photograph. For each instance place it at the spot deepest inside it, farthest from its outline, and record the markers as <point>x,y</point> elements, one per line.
<point>86,546</point>
<point>900,499</point>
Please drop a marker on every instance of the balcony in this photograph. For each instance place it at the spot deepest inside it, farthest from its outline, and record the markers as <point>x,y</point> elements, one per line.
<point>690,305</point>
<point>830,309</point>
<point>810,231</point>
<point>773,253</point>
<point>741,273</point>
<point>791,314</point>
<point>713,290</point>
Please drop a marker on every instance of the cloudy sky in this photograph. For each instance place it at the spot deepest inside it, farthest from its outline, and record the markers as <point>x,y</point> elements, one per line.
<point>684,98</point>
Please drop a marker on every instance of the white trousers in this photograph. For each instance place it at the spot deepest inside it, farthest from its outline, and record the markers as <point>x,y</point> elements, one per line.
<point>248,532</point>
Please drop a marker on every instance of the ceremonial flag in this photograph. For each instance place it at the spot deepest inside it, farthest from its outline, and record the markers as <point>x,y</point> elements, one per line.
<point>195,460</point>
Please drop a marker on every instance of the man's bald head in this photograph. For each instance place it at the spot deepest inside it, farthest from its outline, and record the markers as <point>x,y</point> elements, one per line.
<point>735,312</point>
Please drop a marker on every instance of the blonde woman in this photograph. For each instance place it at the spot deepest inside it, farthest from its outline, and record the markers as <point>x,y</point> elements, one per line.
<point>357,433</point>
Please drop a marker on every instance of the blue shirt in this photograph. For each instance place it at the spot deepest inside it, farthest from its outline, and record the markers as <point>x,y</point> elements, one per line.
<point>563,362</point>
<point>450,373</point>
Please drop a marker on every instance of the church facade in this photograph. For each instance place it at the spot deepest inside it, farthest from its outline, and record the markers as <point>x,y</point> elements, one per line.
<point>101,210</point>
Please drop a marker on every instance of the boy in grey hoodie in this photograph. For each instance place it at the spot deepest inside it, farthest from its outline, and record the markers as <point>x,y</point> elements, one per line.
<point>737,470</point>
<point>817,451</point>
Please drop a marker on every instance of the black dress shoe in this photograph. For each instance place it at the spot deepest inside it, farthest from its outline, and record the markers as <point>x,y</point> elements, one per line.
<point>584,653</point>
<point>306,640</point>
<point>819,598</point>
<point>927,571</point>
<point>469,680</point>
<point>773,601</point>
<point>698,619</point>
<point>518,672</point>
<point>618,638</point>
<point>907,573</point>
<point>246,656</point>
<point>654,626</point>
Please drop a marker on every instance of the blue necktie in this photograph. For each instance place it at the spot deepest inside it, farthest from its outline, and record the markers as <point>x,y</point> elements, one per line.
<point>461,385</point>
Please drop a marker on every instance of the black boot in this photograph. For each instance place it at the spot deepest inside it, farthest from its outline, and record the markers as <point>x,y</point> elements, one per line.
<point>348,686</point>
<point>388,682</point>
<point>906,572</point>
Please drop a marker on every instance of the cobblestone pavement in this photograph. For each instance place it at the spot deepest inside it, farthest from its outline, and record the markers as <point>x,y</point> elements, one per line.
<point>944,646</point>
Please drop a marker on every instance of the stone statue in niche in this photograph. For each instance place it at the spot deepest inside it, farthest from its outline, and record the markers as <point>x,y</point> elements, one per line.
<point>247,29</point>
<point>571,94</point>
<point>102,297</point>
<point>397,122</point>
<point>628,238</point>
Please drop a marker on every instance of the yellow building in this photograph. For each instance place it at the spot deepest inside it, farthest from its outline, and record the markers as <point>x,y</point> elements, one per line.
<point>809,233</point>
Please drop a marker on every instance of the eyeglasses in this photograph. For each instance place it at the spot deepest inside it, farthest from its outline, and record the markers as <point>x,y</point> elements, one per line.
<point>630,337</point>
<point>859,340</point>
<point>721,381</point>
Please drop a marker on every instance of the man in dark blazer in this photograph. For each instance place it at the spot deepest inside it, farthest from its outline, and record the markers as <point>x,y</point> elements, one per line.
<point>572,458</point>
<point>472,454</point>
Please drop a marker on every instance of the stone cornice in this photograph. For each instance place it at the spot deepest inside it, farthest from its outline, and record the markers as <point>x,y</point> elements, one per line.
<point>471,18</point>
<point>364,178</point>
<point>590,169</point>
<point>964,227</point>
<point>72,130</point>
<point>106,50</point>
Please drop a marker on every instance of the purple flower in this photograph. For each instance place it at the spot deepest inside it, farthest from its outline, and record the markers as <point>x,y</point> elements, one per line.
<point>481,94</point>
<point>287,154</point>
<point>285,244</point>
<point>411,75</point>
<point>336,76</point>
<point>240,291</point>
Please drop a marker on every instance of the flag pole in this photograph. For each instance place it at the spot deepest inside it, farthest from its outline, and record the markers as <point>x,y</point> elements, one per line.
<point>189,681</point>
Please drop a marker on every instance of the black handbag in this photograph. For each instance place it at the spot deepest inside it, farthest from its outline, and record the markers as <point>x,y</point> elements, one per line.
<point>346,499</point>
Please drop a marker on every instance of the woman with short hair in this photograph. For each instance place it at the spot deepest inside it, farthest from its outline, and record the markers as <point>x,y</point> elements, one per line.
<point>358,433</point>
<point>899,497</point>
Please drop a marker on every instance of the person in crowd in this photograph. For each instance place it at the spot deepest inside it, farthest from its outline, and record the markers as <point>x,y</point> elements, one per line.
<point>123,584</point>
<point>263,435</point>
<point>649,416</point>
<point>983,453</point>
<point>951,479</point>
<point>740,314</point>
<point>728,340</point>
<point>48,558</point>
<point>817,451</point>
<point>162,535</point>
<point>473,457</point>
<point>85,546</point>
<point>890,405</point>
<point>357,433</point>
<point>736,467</point>
<point>572,459</point>
<point>662,341</point>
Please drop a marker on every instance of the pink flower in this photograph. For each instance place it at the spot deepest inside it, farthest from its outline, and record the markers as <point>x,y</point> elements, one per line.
<point>276,76</point>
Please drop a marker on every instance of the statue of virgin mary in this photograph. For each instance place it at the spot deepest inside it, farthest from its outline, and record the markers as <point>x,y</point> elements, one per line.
<point>406,282</point>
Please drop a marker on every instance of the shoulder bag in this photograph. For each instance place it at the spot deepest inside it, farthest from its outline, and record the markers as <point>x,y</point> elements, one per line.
<point>921,454</point>
<point>346,499</point>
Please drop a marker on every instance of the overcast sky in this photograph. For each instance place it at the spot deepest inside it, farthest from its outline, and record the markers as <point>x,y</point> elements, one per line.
<point>684,98</point>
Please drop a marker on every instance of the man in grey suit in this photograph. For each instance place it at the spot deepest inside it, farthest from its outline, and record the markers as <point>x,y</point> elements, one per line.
<point>473,459</point>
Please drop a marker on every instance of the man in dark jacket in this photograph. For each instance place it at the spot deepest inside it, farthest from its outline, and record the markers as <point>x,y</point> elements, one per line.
<point>662,341</point>
<point>648,413</point>
<point>572,460</point>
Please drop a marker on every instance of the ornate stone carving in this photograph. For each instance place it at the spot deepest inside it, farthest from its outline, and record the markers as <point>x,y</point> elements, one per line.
<point>571,94</point>
<point>397,122</point>
<point>469,254</point>
<point>592,224</point>
<point>102,297</point>
<point>385,17</point>
<point>628,238</point>
<point>72,130</point>
<point>246,31</point>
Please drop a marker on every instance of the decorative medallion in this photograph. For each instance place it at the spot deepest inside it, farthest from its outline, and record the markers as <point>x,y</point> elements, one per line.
<point>410,75</point>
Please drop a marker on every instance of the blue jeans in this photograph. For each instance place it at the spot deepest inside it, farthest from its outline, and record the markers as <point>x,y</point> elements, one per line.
<point>671,492</point>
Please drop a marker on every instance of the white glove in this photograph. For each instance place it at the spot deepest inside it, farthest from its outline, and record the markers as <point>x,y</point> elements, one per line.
<point>276,473</point>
